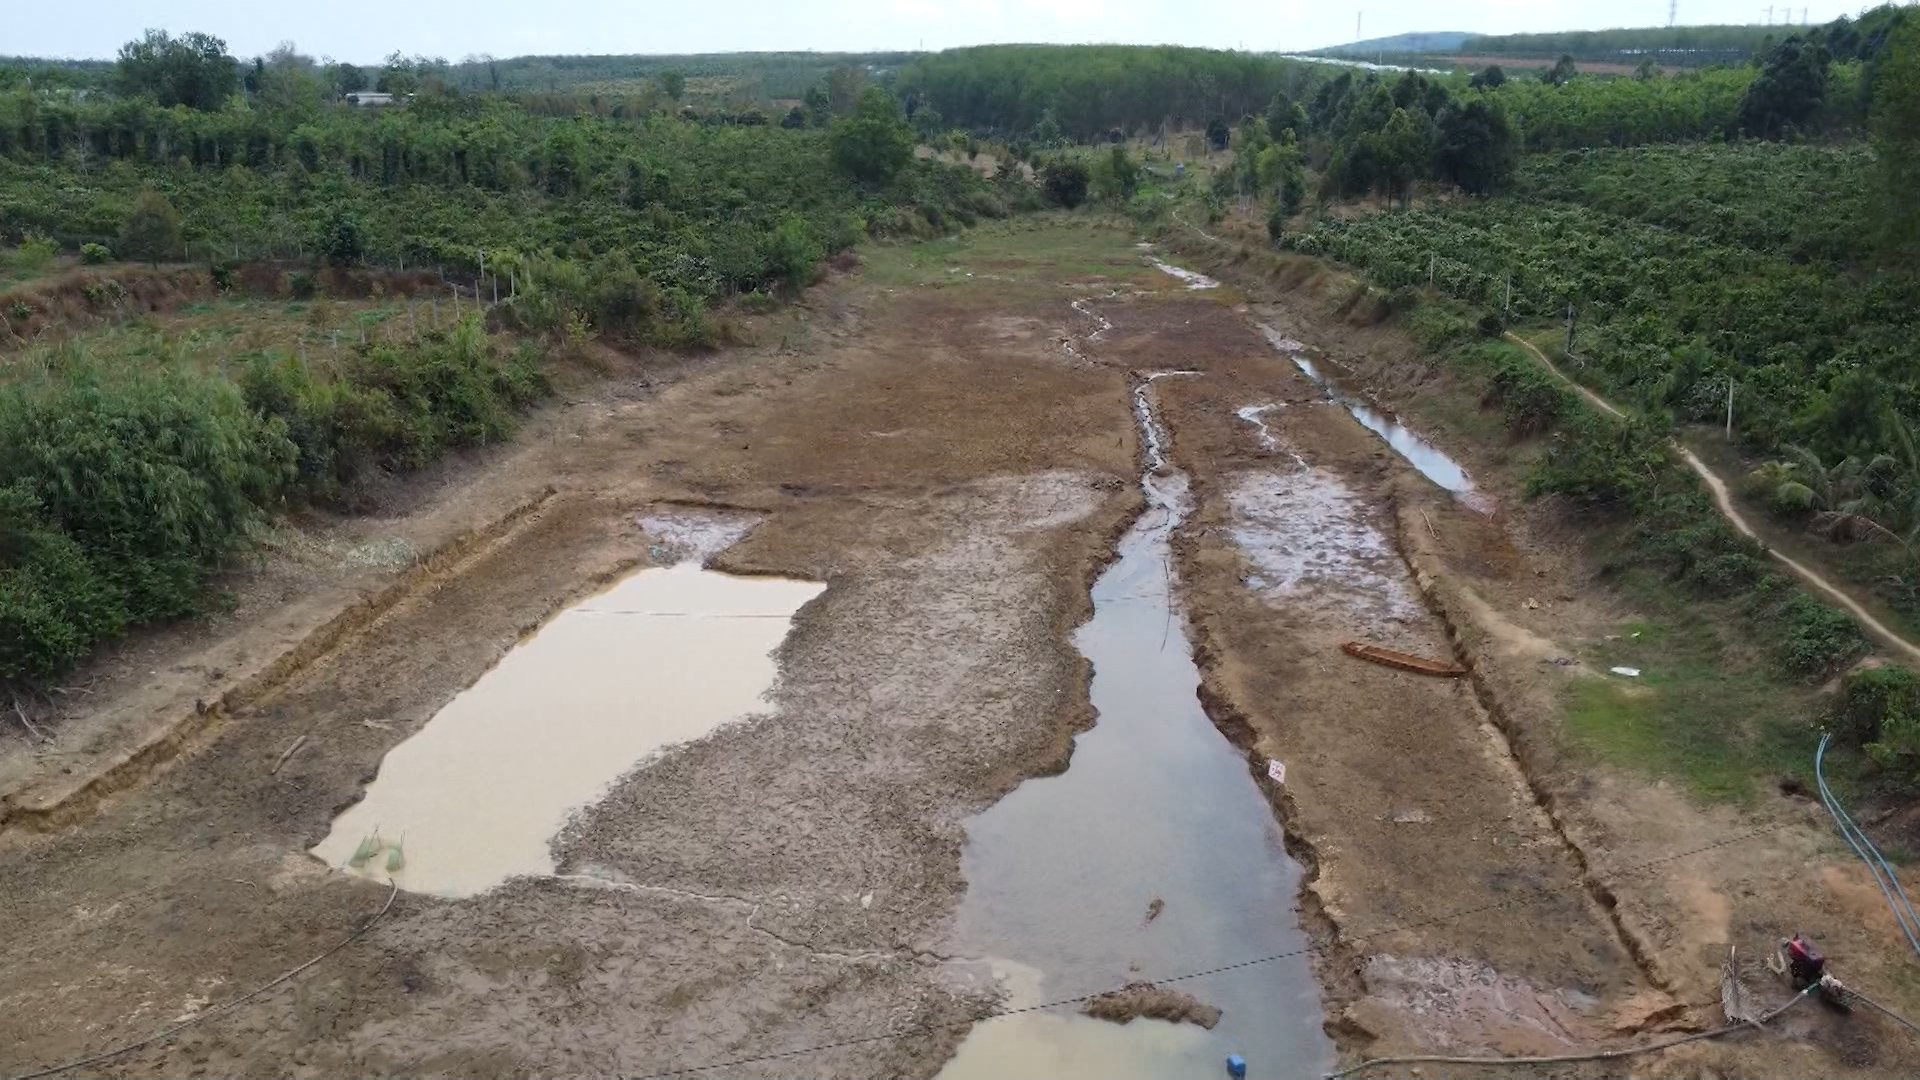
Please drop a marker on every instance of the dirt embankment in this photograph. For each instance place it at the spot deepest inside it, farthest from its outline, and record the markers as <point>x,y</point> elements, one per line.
<point>1670,882</point>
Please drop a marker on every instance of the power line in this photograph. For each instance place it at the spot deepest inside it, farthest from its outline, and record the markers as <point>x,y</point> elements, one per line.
<point>1000,1014</point>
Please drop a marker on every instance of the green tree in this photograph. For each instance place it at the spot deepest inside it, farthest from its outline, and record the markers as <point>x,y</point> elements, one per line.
<point>289,82</point>
<point>1789,90</point>
<point>1218,133</point>
<point>796,118</point>
<point>1401,151</point>
<point>673,83</point>
<point>348,79</point>
<point>192,70</point>
<point>1562,71</point>
<point>341,242</point>
<point>1114,175</point>
<point>846,88</point>
<point>819,105</point>
<point>152,231</point>
<point>1896,139</point>
<point>1488,78</point>
<point>1475,147</point>
<point>873,144</point>
<point>1284,115</point>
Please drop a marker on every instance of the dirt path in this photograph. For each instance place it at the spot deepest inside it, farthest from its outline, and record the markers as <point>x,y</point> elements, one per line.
<point>1723,500</point>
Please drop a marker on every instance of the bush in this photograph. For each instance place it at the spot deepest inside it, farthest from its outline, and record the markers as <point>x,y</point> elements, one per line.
<point>124,491</point>
<point>95,254</point>
<point>1065,182</point>
<point>1818,639</point>
<point>1531,400</point>
<point>35,252</point>
<point>340,242</point>
<point>152,230</point>
<point>1878,710</point>
<point>793,253</point>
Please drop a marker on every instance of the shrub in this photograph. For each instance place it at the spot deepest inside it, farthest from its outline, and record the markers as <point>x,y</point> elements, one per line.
<point>792,252</point>
<point>124,491</point>
<point>341,242</point>
<point>1531,400</point>
<point>95,254</point>
<point>35,252</point>
<point>1065,183</point>
<point>1878,710</point>
<point>1818,639</point>
<point>152,230</point>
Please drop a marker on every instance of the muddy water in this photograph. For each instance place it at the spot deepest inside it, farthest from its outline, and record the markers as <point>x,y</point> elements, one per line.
<point>1431,462</point>
<point>1193,278</point>
<point>476,795</point>
<point>1156,807</point>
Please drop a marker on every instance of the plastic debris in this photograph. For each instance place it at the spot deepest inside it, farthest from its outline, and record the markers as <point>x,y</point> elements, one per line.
<point>1236,1067</point>
<point>396,860</point>
<point>1277,771</point>
<point>1629,672</point>
<point>368,848</point>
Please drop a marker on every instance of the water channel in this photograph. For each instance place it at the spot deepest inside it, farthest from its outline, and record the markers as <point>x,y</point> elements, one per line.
<point>1154,855</point>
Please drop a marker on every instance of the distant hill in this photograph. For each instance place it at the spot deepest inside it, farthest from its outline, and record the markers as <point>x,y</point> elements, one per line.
<point>1672,46</point>
<point>1430,41</point>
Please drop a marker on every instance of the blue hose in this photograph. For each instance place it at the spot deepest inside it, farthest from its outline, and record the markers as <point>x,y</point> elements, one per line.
<point>1883,874</point>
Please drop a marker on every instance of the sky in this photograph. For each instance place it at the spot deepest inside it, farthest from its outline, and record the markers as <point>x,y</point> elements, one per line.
<point>362,32</point>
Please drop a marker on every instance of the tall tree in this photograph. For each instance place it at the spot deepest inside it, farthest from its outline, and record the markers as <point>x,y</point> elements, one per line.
<point>1475,147</point>
<point>192,70</point>
<point>1788,91</point>
<point>844,85</point>
<point>1896,138</point>
<point>673,83</point>
<point>874,143</point>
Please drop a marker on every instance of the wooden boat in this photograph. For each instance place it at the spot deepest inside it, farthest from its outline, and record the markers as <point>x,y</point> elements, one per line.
<point>1392,658</point>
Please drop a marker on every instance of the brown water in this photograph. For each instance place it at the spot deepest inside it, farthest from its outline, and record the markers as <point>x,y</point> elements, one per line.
<point>1428,459</point>
<point>477,795</point>
<point>1156,805</point>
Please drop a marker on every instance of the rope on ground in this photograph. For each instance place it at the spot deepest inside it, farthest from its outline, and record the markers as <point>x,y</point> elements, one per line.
<point>1352,939</point>
<point>223,1007</point>
<point>1567,1059</point>
<point>1883,875</point>
<point>1855,995</point>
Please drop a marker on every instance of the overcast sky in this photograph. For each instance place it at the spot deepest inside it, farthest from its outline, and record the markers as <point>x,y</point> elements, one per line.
<point>361,32</point>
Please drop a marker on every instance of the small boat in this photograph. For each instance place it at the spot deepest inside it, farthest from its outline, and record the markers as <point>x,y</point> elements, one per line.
<point>1393,658</point>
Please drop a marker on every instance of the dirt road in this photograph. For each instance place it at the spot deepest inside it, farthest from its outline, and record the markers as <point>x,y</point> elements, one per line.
<point>1723,501</point>
<point>946,441</point>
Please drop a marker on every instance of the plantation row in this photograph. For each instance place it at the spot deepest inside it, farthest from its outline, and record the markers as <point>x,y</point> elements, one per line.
<point>1792,201</point>
<point>1666,319</point>
<point>696,211</point>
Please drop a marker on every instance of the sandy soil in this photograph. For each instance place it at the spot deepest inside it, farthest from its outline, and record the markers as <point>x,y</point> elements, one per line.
<point>957,478</point>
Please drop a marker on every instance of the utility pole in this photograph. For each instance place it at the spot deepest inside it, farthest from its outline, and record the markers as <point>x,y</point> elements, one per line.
<point>1506,306</point>
<point>1673,11</point>
<point>1571,315</point>
<point>1729,408</point>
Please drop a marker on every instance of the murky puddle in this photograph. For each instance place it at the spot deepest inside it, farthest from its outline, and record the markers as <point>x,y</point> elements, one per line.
<point>1153,855</point>
<point>1314,548</point>
<point>477,795</point>
<point>1193,278</point>
<point>1431,462</point>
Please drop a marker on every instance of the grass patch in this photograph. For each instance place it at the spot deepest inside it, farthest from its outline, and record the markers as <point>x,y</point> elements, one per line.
<point>1045,249</point>
<point>1698,715</point>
